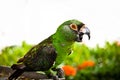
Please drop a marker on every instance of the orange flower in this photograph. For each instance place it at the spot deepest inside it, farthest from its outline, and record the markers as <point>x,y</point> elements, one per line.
<point>86,64</point>
<point>69,70</point>
<point>117,43</point>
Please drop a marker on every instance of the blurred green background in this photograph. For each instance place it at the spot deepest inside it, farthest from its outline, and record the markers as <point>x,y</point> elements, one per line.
<point>85,63</point>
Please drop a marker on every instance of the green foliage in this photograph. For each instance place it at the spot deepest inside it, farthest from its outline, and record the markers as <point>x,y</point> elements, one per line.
<point>99,63</point>
<point>106,62</point>
<point>10,55</point>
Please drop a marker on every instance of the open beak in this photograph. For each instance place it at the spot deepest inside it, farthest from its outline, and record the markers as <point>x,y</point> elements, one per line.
<point>83,31</point>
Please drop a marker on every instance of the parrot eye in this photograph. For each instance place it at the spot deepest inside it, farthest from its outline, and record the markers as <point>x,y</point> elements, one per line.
<point>73,27</point>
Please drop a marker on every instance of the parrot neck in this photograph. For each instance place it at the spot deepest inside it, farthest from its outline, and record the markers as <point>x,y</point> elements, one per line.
<point>62,47</point>
<point>58,41</point>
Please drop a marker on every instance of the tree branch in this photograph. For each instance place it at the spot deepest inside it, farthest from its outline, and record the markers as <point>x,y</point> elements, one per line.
<point>6,71</point>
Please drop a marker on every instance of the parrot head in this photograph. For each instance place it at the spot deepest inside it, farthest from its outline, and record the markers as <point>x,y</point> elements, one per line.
<point>73,30</point>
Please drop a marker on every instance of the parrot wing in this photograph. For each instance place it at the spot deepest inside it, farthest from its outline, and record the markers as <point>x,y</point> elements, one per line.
<point>40,57</point>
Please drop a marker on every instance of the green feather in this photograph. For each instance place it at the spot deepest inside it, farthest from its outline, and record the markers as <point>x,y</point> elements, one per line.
<point>51,52</point>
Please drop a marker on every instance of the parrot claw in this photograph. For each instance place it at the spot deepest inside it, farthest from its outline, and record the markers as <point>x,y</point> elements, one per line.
<point>60,72</point>
<point>54,77</point>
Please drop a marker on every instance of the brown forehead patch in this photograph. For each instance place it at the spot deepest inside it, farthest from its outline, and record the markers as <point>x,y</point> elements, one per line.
<point>80,26</point>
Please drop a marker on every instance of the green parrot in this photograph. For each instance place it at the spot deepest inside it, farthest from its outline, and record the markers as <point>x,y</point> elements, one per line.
<point>51,52</point>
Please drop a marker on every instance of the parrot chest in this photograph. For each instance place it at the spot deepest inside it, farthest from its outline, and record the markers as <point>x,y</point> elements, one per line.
<point>62,50</point>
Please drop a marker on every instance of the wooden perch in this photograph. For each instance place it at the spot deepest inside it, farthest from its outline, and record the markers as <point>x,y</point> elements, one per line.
<point>6,71</point>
